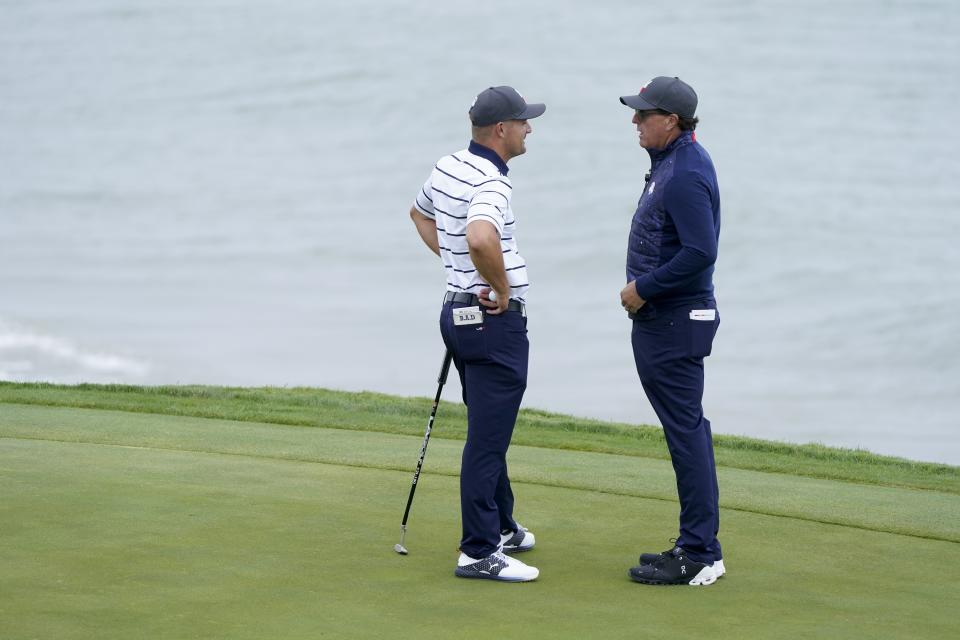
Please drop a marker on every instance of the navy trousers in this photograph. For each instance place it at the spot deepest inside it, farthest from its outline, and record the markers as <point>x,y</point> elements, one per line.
<point>491,359</point>
<point>668,348</point>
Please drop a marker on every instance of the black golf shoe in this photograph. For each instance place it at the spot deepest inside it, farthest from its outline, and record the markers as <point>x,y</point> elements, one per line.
<point>650,558</point>
<point>674,567</point>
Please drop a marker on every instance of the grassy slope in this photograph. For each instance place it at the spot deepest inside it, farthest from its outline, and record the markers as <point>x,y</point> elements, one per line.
<point>119,524</point>
<point>377,412</point>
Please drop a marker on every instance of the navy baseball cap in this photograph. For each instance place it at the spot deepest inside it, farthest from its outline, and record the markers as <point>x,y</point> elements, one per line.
<point>672,95</point>
<point>497,104</point>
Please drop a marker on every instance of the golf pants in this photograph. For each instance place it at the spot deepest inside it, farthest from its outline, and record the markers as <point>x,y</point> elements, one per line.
<point>491,359</point>
<point>668,348</point>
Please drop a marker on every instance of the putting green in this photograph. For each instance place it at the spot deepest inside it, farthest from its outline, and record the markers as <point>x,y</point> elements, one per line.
<point>118,525</point>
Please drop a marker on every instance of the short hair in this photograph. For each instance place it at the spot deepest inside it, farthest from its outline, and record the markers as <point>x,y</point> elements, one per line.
<point>481,132</point>
<point>687,124</point>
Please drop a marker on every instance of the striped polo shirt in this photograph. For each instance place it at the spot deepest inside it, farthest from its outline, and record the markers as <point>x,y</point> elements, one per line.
<point>470,185</point>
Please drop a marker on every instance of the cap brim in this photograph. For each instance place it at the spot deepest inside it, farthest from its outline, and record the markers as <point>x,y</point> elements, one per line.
<point>532,111</point>
<point>637,102</point>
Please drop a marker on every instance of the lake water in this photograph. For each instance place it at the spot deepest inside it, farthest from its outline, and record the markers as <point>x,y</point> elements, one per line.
<point>217,192</point>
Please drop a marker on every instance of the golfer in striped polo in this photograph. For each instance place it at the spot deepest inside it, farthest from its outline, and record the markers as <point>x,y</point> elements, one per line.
<point>463,215</point>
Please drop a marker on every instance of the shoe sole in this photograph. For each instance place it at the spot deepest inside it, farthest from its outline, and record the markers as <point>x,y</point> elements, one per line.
<point>696,581</point>
<point>481,576</point>
<point>720,573</point>
<point>517,549</point>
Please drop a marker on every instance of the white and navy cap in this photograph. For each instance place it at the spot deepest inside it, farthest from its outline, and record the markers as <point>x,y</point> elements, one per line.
<point>672,95</point>
<point>498,104</point>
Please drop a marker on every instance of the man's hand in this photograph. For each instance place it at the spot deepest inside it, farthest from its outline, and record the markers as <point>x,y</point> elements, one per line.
<point>494,306</point>
<point>630,299</point>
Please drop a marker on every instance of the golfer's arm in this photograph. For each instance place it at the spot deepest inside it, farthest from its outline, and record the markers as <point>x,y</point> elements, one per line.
<point>427,228</point>
<point>483,241</point>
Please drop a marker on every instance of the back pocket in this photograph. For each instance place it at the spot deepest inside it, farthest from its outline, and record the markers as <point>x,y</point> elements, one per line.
<point>703,328</point>
<point>471,342</point>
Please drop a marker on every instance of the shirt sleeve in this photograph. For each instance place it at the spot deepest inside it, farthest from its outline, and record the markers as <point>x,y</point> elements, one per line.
<point>688,202</point>
<point>424,199</point>
<point>489,202</point>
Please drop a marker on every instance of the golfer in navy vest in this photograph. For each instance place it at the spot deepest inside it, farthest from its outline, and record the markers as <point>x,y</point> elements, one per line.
<point>669,296</point>
<point>463,214</point>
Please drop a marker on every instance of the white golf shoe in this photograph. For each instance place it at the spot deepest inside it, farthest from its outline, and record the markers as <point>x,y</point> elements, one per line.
<point>718,568</point>
<point>496,566</point>
<point>516,541</point>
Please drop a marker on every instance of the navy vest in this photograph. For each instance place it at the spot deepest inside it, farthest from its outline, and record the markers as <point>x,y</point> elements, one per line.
<point>675,230</point>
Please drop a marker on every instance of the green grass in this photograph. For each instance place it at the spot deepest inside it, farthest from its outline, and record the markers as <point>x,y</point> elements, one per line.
<point>389,414</point>
<point>214,522</point>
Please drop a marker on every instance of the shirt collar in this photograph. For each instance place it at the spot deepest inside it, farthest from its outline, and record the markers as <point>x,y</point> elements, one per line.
<point>684,138</point>
<point>478,149</point>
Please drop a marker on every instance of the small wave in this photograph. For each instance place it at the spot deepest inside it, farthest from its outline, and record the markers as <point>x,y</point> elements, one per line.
<point>26,355</point>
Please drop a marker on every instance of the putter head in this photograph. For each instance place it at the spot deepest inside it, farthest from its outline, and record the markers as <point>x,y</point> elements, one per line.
<point>399,548</point>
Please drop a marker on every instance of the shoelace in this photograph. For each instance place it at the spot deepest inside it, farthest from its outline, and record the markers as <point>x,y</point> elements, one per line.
<point>669,554</point>
<point>502,557</point>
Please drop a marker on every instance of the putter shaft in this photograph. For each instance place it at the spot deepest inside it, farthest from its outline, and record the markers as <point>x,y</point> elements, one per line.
<point>441,380</point>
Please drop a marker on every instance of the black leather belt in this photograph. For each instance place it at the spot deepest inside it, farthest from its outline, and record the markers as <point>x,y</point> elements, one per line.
<point>471,299</point>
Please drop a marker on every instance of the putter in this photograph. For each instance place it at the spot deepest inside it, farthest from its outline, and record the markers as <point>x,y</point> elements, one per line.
<point>441,379</point>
